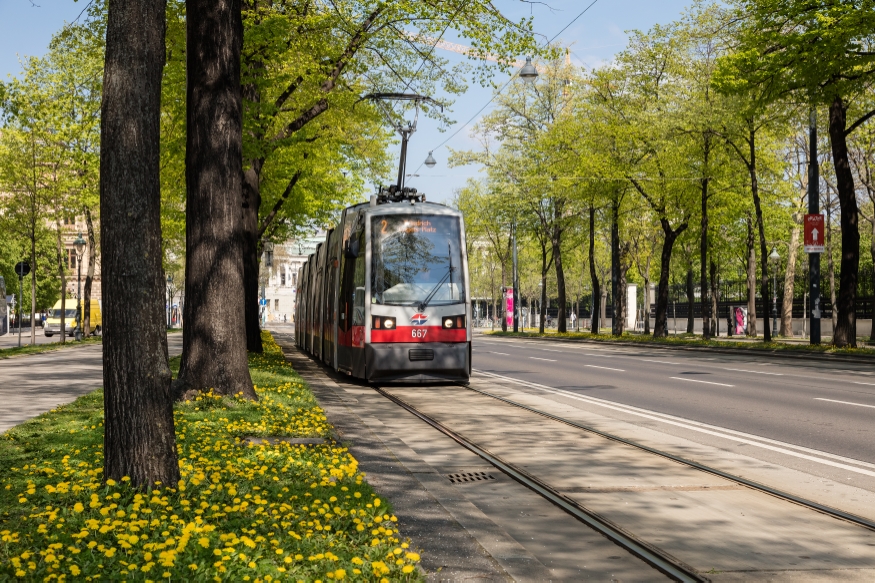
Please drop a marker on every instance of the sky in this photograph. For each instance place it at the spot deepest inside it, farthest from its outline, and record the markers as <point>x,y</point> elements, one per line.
<point>26,26</point>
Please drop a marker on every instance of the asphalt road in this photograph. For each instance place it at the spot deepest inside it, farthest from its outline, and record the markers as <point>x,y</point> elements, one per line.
<point>816,414</point>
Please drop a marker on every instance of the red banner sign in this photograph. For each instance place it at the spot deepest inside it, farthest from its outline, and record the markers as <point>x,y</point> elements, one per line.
<point>814,234</point>
<point>509,313</point>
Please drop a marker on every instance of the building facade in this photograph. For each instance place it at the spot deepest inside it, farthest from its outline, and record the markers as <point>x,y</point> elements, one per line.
<point>278,276</point>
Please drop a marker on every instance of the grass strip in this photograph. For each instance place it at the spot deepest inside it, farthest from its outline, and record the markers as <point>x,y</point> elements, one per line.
<point>241,513</point>
<point>48,347</point>
<point>693,341</point>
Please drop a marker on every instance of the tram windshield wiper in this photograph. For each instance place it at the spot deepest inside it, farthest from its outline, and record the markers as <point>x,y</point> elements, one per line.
<point>424,303</point>
<point>449,275</point>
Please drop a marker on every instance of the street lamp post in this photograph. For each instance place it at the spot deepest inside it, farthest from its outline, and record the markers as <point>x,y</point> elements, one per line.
<point>169,301</point>
<point>79,244</point>
<point>774,258</point>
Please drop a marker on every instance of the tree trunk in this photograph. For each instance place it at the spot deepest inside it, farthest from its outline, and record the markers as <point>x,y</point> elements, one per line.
<point>845,333</point>
<point>789,282</point>
<point>751,280</point>
<point>542,311</point>
<point>89,277</point>
<point>62,275</point>
<point>671,235</point>
<point>691,303</point>
<point>596,315</point>
<point>251,204</point>
<point>715,297</point>
<point>139,439</point>
<point>32,291</point>
<point>703,244</point>
<point>621,302</point>
<point>214,348</point>
<point>561,327</point>
<point>616,328</point>
<point>764,254</point>
<point>831,263</point>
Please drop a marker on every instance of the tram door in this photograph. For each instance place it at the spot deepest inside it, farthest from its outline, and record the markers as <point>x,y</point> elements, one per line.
<point>329,327</point>
<point>350,301</point>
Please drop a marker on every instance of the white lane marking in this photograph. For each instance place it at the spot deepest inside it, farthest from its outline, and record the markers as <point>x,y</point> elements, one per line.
<point>599,355</point>
<point>698,381</point>
<point>774,374</point>
<point>859,383</point>
<point>605,368</point>
<point>501,353</point>
<point>659,361</point>
<point>547,359</point>
<point>548,350</point>
<point>845,402</point>
<point>722,432</point>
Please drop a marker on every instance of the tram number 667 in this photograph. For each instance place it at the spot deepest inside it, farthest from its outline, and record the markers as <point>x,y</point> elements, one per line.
<point>418,333</point>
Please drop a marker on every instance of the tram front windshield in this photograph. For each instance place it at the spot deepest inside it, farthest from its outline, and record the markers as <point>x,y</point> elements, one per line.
<point>417,260</point>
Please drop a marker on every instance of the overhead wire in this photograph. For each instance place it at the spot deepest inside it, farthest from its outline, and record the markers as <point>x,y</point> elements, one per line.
<point>502,88</point>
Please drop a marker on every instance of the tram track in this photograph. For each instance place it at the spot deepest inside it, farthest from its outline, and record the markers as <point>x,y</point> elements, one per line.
<point>659,559</point>
<point>650,554</point>
<point>757,486</point>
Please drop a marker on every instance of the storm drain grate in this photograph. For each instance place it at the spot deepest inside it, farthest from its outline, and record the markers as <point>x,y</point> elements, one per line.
<point>469,477</point>
<point>421,354</point>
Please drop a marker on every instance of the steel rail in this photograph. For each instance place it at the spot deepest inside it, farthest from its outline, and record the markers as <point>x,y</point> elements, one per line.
<point>828,510</point>
<point>659,559</point>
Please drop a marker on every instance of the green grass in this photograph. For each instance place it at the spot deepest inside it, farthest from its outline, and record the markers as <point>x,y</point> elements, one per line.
<point>694,341</point>
<point>240,513</point>
<point>39,348</point>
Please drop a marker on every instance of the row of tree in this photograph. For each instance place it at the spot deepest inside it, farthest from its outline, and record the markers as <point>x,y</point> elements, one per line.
<point>694,139</point>
<point>213,127</point>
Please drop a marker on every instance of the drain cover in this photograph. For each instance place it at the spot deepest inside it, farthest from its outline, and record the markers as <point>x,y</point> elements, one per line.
<point>469,477</point>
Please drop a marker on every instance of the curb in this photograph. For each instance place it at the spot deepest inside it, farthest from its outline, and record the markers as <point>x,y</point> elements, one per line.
<point>861,359</point>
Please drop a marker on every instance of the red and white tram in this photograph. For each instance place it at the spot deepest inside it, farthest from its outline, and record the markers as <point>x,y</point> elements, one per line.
<point>385,296</point>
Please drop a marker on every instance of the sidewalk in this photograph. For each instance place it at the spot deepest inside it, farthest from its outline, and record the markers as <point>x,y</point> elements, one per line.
<point>35,383</point>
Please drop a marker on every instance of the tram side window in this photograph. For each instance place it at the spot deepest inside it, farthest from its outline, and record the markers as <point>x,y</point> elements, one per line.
<point>358,317</point>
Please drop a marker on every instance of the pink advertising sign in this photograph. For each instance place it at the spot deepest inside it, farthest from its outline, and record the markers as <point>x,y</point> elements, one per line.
<point>509,312</point>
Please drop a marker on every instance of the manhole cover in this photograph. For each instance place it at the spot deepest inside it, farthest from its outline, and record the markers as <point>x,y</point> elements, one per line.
<point>469,477</point>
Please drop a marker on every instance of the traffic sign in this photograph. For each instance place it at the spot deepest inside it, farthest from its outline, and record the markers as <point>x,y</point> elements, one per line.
<point>262,302</point>
<point>814,234</point>
<point>22,268</point>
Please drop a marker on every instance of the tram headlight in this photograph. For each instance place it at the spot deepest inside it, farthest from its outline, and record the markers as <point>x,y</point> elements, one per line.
<point>382,323</point>
<point>448,322</point>
<point>453,322</point>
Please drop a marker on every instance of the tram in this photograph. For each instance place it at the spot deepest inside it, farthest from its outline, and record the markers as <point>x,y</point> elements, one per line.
<point>385,296</point>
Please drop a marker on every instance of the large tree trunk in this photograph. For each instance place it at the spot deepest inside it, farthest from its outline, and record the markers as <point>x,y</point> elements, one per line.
<point>89,277</point>
<point>789,281</point>
<point>214,348</point>
<point>596,287</point>
<point>671,235</point>
<point>691,303</point>
<point>139,439</point>
<point>62,275</point>
<point>560,280</point>
<point>751,280</point>
<point>845,333</point>
<point>704,185</point>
